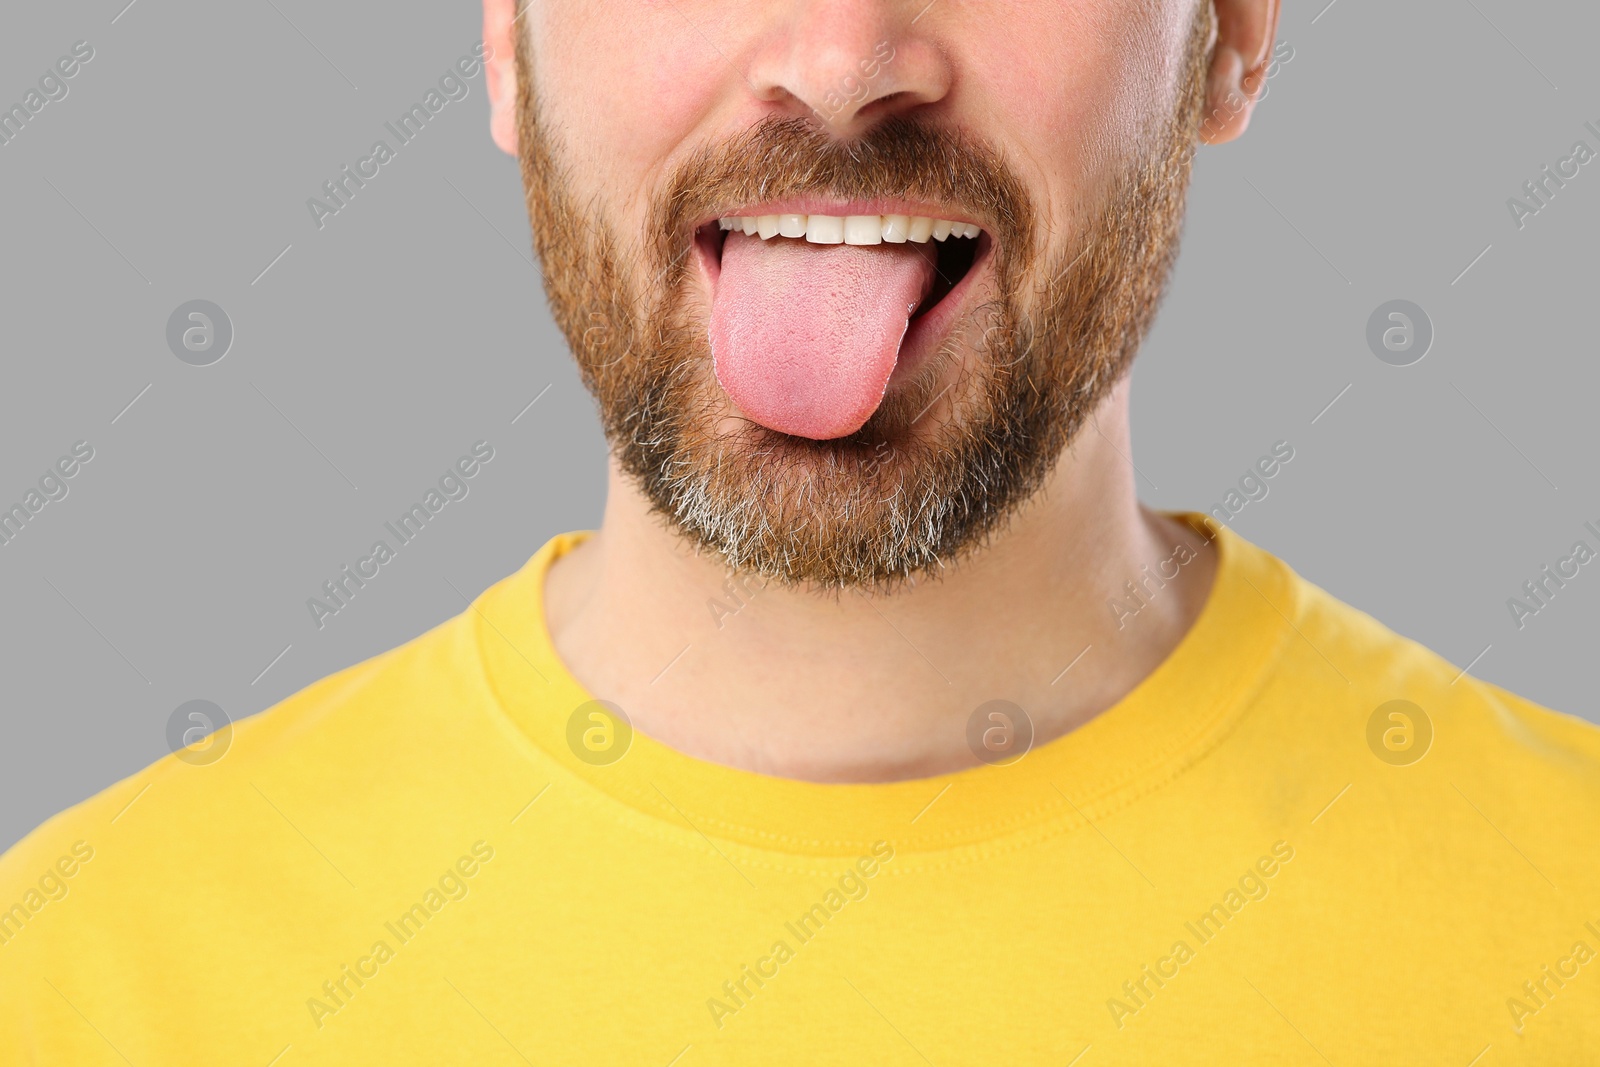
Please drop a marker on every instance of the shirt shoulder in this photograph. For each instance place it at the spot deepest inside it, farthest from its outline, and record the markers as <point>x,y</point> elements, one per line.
<point>1475,719</point>
<point>1436,761</point>
<point>340,736</point>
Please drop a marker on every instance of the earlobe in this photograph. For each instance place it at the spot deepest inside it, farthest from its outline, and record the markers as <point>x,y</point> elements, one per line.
<point>500,71</point>
<point>1243,49</point>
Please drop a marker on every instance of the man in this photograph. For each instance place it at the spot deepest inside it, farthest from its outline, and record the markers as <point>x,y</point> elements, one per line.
<point>878,722</point>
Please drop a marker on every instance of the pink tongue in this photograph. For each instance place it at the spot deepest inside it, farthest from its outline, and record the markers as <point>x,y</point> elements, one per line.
<point>804,337</point>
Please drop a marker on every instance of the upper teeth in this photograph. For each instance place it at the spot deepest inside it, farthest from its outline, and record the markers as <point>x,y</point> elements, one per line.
<point>850,229</point>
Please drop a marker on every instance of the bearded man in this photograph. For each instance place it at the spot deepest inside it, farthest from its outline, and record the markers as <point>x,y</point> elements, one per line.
<point>878,722</point>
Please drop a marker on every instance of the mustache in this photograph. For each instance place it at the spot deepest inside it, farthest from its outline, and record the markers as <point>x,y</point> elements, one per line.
<point>792,157</point>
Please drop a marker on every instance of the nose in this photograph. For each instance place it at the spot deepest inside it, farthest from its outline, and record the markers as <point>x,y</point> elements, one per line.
<point>850,63</point>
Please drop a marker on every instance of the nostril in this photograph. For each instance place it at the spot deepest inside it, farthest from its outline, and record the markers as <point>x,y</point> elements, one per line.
<point>891,103</point>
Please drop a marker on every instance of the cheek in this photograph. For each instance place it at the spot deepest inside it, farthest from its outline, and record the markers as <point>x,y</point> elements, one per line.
<point>621,112</point>
<point>1077,113</point>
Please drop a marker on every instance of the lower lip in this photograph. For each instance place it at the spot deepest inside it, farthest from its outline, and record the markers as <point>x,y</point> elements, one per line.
<point>924,334</point>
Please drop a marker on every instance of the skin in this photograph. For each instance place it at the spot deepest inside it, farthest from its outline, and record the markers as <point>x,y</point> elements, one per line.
<point>874,686</point>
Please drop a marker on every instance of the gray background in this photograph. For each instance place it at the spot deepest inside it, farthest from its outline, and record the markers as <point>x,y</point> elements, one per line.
<point>374,352</point>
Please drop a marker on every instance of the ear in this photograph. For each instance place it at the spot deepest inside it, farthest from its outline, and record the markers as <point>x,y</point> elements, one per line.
<point>1245,30</point>
<point>500,26</point>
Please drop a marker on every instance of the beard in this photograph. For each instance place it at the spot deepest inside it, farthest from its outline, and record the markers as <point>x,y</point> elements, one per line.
<point>905,495</point>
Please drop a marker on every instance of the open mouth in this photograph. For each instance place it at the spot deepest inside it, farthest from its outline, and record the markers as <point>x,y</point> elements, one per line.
<point>814,313</point>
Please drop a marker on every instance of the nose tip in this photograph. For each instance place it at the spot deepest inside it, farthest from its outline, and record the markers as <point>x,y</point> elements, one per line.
<point>849,65</point>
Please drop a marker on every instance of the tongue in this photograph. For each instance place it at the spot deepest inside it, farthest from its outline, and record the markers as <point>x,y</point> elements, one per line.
<point>804,337</point>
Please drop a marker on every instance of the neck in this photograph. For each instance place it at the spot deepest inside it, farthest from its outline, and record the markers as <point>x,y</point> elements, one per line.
<point>879,687</point>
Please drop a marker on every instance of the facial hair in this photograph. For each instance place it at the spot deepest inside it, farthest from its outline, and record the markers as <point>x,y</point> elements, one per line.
<point>907,494</point>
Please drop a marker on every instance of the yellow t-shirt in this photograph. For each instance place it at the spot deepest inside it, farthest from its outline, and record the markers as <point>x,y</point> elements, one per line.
<point>1256,857</point>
